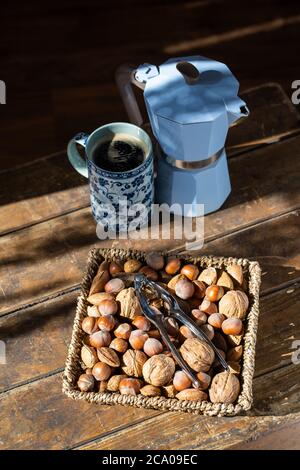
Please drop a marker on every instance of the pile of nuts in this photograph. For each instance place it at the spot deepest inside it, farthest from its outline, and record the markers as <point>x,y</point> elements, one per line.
<point>122,352</point>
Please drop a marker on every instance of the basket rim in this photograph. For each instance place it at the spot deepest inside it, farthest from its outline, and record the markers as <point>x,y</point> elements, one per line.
<point>72,366</point>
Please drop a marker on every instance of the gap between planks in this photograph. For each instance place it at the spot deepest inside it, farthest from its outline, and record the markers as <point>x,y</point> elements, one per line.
<point>239,154</point>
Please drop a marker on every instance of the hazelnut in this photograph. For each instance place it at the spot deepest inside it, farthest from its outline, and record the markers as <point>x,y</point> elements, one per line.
<point>200,289</point>
<point>232,326</point>
<point>208,307</point>
<point>219,341</point>
<point>198,354</point>
<point>137,339</point>
<point>152,346</point>
<point>114,286</point>
<point>101,371</point>
<point>169,391</point>
<point>214,293</point>
<point>89,325</point>
<point>108,307</point>
<point>142,323</point>
<point>123,331</point>
<point>216,320</point>
<point>129,386</point>
<point>150,391</point>
<point>184,289</point>
<point>133,362</point>
<point>235,354</point>
<point>209,276</point>
<point>88,356</point>
<point>234,367</point>
<point>86,383</point>
<point>108,356</point>
<point>172,283</point>
<point>99,281</point>
<point>204,380</point>
<point>114,382</point>
<point>155,261</point>
<point>216,362</point>
<point>115,267</point>
<point>149,273</point>
<point>132,266</point>
<point>181,381</point>
<point>225,281</point>
<point>93,311</point>
<point>172,326</point>
<point>129,303</point>
<point>99,339</point>
<point>193,303</point>
<point>102,386</point>
<point>234,304</point>
<point>192,394</point>
<point>199,317</point>
<point>225,388</point>
<point>159,370</point>
<point>106,323</point>
<point>88,371</point>
<point>96,299</point>
<point>236,272</point>
<point>185,332</point>
<point>173,266</point>
<point>119,345</point>
<point>190,271</point>
<point>208,331</point>
<point>154,334</point>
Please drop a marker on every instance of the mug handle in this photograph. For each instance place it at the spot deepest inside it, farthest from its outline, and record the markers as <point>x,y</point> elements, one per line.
<point>74,156</point>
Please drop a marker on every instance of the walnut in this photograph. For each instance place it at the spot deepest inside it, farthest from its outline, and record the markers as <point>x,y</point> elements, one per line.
<point>225,388</point>
<point>159,370</point>
<point>108,356</point>
<point>114,382</point>
<point>130,306</point>
<point>198,354</point>
<point>133,362</point>
<point>234,304</point>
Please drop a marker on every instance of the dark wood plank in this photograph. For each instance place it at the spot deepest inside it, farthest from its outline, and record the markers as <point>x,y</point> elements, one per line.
<point>56,253</point>
<point>36,332</point>
<point>284,437</point>
<point>56,250</point>
<point>56,188</point>
<point>59,409</point>
<point>178,431</point>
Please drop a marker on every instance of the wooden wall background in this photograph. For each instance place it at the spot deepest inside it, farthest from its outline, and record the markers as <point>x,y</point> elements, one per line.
<point>58,57</point>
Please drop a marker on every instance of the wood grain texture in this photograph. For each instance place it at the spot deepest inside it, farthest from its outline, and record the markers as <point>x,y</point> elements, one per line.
<point>56,255</point>
<point>41,334</point>
<point>56,250</point>
<point>273,356</point>
<point>55,188</point>
<point>283,437</point>
<point>178,431</point>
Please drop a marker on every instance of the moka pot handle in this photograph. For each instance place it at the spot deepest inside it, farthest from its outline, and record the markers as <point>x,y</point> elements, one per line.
<point>125,80</point>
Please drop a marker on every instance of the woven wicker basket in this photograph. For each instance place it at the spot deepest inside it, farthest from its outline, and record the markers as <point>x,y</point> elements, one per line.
<point>73,370</point>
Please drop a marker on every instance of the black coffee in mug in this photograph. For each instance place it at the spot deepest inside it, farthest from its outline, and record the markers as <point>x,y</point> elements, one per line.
<point>121,153</point>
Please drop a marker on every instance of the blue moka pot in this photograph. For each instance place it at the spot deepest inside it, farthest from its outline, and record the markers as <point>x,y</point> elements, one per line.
<point>191,103</point>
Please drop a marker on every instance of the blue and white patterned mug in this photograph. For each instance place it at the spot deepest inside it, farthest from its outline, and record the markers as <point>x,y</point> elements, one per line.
<point>120,201</point>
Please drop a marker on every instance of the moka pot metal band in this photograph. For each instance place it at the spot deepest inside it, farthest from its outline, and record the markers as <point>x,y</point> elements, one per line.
<point>191,165</point>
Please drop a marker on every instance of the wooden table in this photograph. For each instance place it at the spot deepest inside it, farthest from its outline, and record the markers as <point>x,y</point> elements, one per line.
<point>46,232</point>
